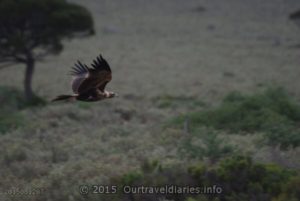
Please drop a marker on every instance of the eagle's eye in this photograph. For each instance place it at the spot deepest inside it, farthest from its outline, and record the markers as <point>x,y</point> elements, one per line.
<point>112,94</point>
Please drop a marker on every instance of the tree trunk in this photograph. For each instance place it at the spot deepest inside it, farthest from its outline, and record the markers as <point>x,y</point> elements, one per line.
<point>28,78</point>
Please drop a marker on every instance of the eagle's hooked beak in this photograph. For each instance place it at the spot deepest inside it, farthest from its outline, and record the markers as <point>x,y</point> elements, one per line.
<point>112,94</point>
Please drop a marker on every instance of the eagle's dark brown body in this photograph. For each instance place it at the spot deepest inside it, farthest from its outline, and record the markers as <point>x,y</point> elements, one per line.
<point>88,84</point>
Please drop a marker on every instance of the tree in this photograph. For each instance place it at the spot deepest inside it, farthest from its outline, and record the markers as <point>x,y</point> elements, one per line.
<point>32,29</point>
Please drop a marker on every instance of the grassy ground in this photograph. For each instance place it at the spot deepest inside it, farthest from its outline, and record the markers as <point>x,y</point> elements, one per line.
<point>168,58</point>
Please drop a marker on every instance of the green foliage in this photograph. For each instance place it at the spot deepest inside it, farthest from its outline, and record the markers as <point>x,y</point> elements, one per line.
<point>31,30</point>
<point>36,101</point>
<point>190,199</point>
<point>14,153</point>
<point>151,166</point>
<point>201,198</point>
<point>30,24</point>
<point>238,176</point>
<point>11,121</point>
<point>11,99</point>
<point>197,170</point>
<point>242,179</point>
<point>284,135</point>
<point>168,101</point>
<point>148,169</point>
<point>241,176</point>
<point>291,191</point>
<point>131,178</point>
<point>13,102</point>
<point>83,105</point>
<point>205,143</point>
<point>272,112</point>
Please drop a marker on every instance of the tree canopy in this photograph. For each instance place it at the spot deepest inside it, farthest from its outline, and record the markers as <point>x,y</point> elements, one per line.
<point>26,25</point>
<point>32,29</point>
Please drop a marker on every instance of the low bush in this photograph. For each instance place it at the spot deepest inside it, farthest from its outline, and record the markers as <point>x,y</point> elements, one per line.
<point>291,191</point>
<point>234,178</point>
<point>271,112</point>
<point>205,144</point>
<point>11,121</point>
<point>12,101</point>
<point>168,101</point>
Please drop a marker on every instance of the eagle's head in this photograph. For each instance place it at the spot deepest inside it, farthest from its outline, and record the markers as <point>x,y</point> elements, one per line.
<point>111,94</point>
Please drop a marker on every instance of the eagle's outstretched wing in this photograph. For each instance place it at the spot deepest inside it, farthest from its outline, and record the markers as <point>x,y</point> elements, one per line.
<point>80,73</point>
<point>86,78</point>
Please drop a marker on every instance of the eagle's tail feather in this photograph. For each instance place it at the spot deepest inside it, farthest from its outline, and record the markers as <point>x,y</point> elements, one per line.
<point>65,97</point>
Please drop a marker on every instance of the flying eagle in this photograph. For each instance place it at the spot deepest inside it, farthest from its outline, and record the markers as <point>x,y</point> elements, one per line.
<point>88,84</point>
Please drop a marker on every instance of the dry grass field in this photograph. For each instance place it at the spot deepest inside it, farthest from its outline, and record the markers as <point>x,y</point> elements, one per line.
<point>191,52</point>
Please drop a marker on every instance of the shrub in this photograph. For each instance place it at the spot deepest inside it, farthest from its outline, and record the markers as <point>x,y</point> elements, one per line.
<point>11,99</point>
<point>168,101</point>
<point>291,191</point>
<point>272,112</point>
<point>131,178</point>
<point>15,153</point>
<point>11,121</point>
<point>284,135</point>
<point>239,177</point>
<point>12,102</point>
<point>205,143</point>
